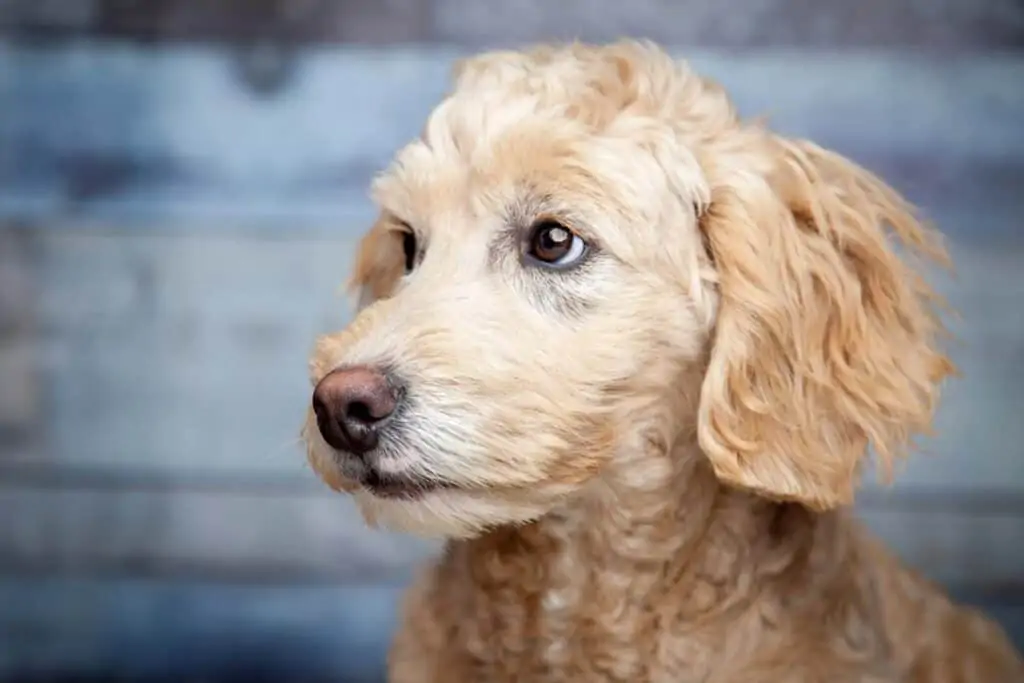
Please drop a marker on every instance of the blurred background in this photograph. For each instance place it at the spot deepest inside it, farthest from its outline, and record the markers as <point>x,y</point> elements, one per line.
<point>181,186</point>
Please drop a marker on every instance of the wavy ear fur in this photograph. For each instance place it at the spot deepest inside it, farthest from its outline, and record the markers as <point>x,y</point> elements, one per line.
<point>826,338</point>
<point>378,267</point>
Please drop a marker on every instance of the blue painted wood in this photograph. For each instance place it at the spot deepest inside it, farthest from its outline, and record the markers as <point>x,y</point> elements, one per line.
<point>153,631</point>
<point>184,351</point>
<point>187,231</point>
<point>172,132</point>
<point>950,24</point>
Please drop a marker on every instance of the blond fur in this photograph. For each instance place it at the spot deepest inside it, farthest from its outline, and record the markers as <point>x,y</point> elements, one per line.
<point>649,458</point>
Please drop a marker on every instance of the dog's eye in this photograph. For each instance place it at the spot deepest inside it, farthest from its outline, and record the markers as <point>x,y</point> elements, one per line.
<point>409,247</point>
<point>552,244</point>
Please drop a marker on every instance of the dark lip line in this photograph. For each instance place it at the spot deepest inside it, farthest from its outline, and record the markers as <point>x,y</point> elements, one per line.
<point>400,487</point>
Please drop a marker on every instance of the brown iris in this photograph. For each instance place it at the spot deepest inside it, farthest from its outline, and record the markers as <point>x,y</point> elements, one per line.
<point>553,244</point>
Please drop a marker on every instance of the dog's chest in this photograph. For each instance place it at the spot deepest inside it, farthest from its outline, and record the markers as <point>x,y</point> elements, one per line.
<point>559,616</point>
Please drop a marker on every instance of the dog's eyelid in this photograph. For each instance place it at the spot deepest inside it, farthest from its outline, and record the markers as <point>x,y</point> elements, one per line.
<point>402,226</point>
<point>569,221</point>
<point>393,222</point>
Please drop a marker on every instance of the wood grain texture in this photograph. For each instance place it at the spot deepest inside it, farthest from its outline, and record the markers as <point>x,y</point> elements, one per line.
<point>307,536</point>
<point>740,23</point>
<point>143,630</point>
<point>230,536</point>
<point>56,629</point>
<point>186,352</point>
<point>174,371</point>
<point>746,23</point>
<point>176,133</point>
<point>20,412</point>
<point>177,246</point>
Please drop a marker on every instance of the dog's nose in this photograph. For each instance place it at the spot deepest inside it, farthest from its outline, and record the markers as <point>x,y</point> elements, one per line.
<point>350,405</point>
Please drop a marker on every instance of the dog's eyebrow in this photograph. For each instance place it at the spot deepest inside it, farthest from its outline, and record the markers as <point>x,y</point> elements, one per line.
<point>390,220</point>
<point>525,209</point>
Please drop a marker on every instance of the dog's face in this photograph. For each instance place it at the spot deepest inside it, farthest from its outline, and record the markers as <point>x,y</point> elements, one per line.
<point>556,266</point>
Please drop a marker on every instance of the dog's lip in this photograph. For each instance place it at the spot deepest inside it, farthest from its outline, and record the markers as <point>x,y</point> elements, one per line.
<point>399,487</point>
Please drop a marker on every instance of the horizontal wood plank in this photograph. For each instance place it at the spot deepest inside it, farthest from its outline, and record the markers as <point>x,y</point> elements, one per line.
<point>177,131</point>
<point>186,352</point>
<point>176,250</point>
<point>740,23</point>
<point>193,631</point>
<point>56,629</point>
<point>313,536</point>
<point>182,353</point>
<point>207,534</point>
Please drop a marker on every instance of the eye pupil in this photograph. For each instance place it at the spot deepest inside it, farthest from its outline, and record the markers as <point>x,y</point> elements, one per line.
<point>555,237</point>
<point>409,247</point>
<point>551,242</point>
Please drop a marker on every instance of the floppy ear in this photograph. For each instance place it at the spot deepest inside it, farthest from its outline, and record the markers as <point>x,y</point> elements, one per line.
<point>378,266</point>
<point>826,339</point>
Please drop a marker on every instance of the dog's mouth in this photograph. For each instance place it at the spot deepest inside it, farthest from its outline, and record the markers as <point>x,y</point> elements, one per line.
<point>399,487</point>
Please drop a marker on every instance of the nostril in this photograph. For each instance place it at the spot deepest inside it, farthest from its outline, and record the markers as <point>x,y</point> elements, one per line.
<point>359,411</point>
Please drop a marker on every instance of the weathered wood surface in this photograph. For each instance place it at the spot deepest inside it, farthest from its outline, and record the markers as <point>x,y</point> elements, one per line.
<point>169,254</point>
<point>299,536</point>
<point>56,629</point>
<point>173,370</point>
<point>241,534</point>
<point>169,250</point>
<point>175,133</point>
<point>139,630</point>
<point>185,352</point>
<point>738,23</point>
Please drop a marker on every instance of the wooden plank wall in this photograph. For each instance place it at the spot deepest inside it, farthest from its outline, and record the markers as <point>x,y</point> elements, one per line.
<point>956,24</point>
<point>173,232</point>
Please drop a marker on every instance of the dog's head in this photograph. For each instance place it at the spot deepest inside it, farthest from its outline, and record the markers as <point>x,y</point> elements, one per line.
<point>586,242</point>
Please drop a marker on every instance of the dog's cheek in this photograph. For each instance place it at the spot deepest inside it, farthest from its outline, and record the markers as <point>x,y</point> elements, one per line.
<point>592,446</point>
<point>562,443</point>
<point>528,441</point>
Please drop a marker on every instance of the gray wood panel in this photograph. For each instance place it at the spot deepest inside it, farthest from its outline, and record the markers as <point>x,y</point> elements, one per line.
<point>174,131</point>
<point>950,23</point>
<point>182,352</point>
<point>832,24</point>
<point>233,535</point>
<point>137,630</point>
<point>19,385</point>
<point>173,351</point>
<point>312,536</point>
<point>194,631</point>
<point>169,254</point>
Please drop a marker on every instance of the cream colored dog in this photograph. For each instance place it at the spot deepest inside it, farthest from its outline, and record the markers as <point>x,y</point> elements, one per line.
<point>627,352</point>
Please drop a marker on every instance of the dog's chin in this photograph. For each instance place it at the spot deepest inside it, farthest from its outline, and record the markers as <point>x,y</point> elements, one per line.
<point>444,512</point>
<point>429,508</point>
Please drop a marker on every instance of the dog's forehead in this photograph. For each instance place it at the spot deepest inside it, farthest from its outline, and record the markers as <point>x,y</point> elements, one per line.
<point>486,154</point>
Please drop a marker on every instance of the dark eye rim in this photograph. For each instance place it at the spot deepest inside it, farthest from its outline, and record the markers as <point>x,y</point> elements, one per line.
<point>409,249</point>
<point>552,222</point>
<point>410,245</point>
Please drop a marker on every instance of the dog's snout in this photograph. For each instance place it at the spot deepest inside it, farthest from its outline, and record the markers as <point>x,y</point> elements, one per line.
<point>350,406</point>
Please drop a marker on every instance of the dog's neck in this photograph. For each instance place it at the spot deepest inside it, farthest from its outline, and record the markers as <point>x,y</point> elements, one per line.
<point>658,523</point>
<point>657,564</point>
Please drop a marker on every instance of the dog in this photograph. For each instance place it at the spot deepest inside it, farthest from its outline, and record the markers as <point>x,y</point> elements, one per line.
<point>627,353</point>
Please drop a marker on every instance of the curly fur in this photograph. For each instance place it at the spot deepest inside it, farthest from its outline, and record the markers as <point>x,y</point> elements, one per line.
<point>648,459</point>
